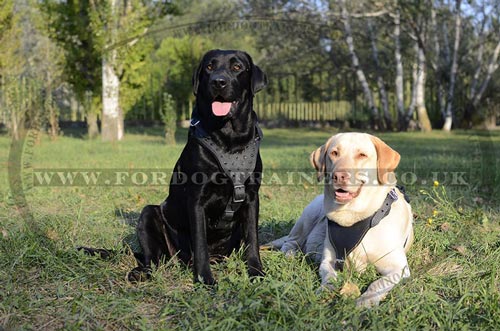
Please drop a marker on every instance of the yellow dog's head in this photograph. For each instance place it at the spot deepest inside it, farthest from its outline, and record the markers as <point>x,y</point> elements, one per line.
<point>352,161</point>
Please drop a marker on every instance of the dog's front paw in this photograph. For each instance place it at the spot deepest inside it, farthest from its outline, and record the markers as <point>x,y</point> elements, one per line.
<point>139,274</point>
<point>290,253</point>
<point>207,280</point>
<point>367,301</point>
<point>325,287</point>
<point>256,274</point>
<point>255,269</point>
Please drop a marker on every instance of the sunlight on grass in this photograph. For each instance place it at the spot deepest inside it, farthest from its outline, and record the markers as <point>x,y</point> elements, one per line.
<point>452,179</point>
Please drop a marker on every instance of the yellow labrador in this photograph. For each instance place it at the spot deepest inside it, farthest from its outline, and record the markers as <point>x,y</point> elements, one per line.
<point>361,218</point>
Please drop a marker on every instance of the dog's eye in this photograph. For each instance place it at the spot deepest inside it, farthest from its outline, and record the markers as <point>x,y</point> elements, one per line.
<point>335,153</point>
<point>236,67</point>
<point>362,155</point>
<point>210,67</point>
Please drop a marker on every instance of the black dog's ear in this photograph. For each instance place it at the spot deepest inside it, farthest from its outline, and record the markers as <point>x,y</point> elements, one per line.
<point>259,79</point>
<point>196,78</point>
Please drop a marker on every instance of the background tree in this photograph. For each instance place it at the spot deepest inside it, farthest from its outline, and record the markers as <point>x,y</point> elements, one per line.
<point>92,32</point>
<point>448,115</point>
<point>405,50</point>
<point>485,57</point>
<point>169,117</point>
<point>10,65</point>
<point>68,24</point>
<point>29,68</point>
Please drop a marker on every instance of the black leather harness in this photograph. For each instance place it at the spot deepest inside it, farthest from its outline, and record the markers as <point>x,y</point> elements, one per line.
<point>238,167</point>
<point>346,239</point>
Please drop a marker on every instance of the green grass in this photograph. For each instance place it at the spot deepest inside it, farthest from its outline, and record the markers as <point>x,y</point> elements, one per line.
<point>46,284</point>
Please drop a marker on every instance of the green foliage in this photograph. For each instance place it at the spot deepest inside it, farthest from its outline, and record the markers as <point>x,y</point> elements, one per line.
<point>11,64</point>
<point>137,78</point>
<point>168,69</point>
<point>20,101</point>
<point>68,24</point>
<point>299,44</point>
<point>51,114</point>
<point>178,58</point>
<point>88,30</point>
<point>6,16</point>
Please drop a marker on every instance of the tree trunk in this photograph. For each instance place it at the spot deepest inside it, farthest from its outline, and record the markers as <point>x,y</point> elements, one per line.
<point>436,64</point>
<point>476,91</point>
<point>399,73</point>
<point>490,118</point>
<point>74,107</point>
<point>14,126</point>
<point>423,117</point>
<point>448,121</point>
<point>415,85</point>
<point>492,67</point>
<point>92,128</point>
<point>169,118</point>
<point>170,136</point>
<point>479,60</point>
<point>112,117</point>
<point>359,72</point>
<point>112,128</point>
<point>52,116</point>
<point>380,79</point>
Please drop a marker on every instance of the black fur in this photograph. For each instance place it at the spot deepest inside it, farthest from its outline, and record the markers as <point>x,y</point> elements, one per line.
<point>192,209</point>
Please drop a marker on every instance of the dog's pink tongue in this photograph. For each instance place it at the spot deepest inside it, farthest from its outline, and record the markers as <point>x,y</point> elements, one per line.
<point>343,195</point>
<point>221,108</point>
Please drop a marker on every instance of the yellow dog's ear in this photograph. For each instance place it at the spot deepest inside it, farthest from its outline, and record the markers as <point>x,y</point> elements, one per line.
<point>387,161</point>
<point>318,159</point>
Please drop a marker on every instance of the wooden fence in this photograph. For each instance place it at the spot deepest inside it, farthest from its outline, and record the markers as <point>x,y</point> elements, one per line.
<point>303,111</point>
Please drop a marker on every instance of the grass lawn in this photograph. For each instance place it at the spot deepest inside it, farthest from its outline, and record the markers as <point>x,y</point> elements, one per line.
<point>46,284</point>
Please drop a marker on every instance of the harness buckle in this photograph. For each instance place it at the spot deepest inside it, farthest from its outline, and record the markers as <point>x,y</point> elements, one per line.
<point>239,193</point>
<point>393,194</point>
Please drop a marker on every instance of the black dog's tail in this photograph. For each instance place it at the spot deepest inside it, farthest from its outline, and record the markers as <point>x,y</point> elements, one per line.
<point>107,254</point>
<point>101,252</point>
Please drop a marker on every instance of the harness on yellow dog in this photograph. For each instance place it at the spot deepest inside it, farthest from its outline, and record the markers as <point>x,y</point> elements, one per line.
<point>346,239</point>
<point>238,167</point>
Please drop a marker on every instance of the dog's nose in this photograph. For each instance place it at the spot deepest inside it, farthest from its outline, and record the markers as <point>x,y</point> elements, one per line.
<point>341,177</point>
<point>219,83</point>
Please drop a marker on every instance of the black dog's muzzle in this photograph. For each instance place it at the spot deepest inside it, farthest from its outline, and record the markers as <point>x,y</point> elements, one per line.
<point>218,82</point>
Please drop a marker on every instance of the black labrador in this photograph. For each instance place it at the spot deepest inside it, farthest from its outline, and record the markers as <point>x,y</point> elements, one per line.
<point>213,203</point>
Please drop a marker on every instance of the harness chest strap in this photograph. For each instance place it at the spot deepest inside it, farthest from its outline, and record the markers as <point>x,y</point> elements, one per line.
<point>238,167</point>
<point>346,239</point>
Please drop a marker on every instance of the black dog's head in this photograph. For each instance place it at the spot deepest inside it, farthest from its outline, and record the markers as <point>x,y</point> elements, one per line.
<point>225,82</point>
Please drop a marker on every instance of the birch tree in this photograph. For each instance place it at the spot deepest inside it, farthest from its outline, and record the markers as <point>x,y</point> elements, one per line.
<point>423,117</point>
<point>436,62</point>
<point>380,79</point>
<point>112,115</point>
<point>357,68</point>
<point>484,68</point>
<point>477,93</point>
<point>449,113</point>
<point>400,106</point>
<point>415,14</point>
<point>415,85</point>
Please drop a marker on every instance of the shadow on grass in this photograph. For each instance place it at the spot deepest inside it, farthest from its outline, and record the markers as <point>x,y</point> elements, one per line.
<point>180,133</point>
<point>127,217</point>
<point>270,230</point>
